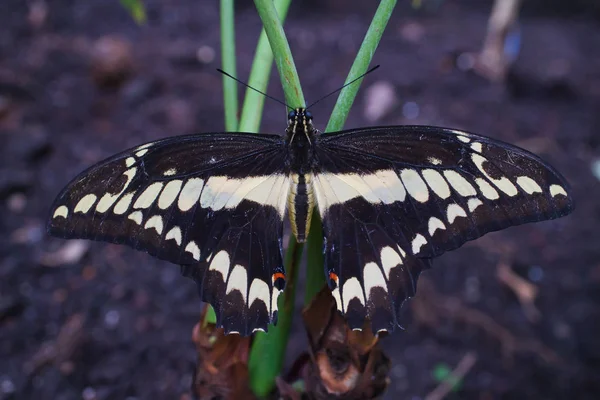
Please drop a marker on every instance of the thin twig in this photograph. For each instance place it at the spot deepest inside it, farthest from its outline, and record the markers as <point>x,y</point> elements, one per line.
<point>460,371</point>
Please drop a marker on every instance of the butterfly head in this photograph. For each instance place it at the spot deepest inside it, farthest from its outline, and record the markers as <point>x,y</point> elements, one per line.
<point>300,117</point>
<point>300,121</point>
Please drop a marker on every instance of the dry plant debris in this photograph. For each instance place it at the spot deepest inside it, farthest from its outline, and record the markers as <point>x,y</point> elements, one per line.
<point>430,307</point>
<point>222,370</point>
<point>525,291</point>
<point>341,363</point>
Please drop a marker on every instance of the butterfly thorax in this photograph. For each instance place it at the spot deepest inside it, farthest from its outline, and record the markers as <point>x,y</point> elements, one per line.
<point>300,135</point>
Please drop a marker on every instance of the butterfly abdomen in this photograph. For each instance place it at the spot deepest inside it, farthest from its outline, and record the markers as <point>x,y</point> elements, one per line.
<point>300,204</point>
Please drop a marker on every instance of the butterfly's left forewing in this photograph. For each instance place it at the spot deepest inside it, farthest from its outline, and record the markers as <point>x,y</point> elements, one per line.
<point>393,198</point>
<point>213,203</point>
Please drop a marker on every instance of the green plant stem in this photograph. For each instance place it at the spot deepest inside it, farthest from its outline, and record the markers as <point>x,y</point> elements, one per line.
<point>230,87</point>
<point>315,277</point>
<point>259,76</point>
<point>282,53</point>
<point>361,64</point>
<point>268,349</point>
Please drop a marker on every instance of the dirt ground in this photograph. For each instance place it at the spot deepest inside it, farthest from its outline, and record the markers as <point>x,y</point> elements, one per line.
<point>116,324</point>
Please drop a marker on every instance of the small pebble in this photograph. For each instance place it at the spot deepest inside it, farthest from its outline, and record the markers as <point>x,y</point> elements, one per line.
<point>380,100</point>
<point>112,60</point>
<point>88,394</point>
<point>111,318</point>
<point>472,291</point>
<point>410,110</point>
<point>205,54</point>
<point>465,61</point>
<point>535,273</point>
<point>7,386</point>
<point>17,202</point>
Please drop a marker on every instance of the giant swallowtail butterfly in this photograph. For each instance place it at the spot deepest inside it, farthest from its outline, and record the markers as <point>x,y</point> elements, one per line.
<point>391,199</point>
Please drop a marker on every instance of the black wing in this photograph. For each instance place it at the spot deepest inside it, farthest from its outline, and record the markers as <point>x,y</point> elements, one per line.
<point>391,198</point>
<point>213,203</point>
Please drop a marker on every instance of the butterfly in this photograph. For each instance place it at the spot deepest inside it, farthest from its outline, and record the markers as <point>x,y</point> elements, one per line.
<point>390,199</point>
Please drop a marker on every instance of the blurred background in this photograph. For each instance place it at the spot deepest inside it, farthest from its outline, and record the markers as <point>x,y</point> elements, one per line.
<point>515,314</point>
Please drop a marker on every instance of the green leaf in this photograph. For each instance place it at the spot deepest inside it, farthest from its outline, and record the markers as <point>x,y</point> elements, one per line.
<point>136,10</point>
<point>268,349</point>
<point>315,277</point>
<point>282,53</point>
<point>210,317</point>
<point>230,87</point>
<point>259,76</point>
<point>361,64</point>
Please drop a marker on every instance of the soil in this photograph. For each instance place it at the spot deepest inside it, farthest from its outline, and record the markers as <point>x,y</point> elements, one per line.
<point>98,321</point>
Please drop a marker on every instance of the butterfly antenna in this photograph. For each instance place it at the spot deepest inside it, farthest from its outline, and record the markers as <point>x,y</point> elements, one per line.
<point>347,84</point>
<point>250,87</point>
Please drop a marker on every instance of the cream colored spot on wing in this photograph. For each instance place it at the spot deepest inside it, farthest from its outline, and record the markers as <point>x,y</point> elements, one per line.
<point>389,259</point>
<point>477,147</point>
<point>265,190</point>
<point>460,184</point>
<point>274,297</point>
<point>437,183</point>
<point>259,290</point>
<point>435,224</point>
<point>462,137</point>
<point>141,153</point>
<point>474,203</point>
<point>454,211</point>
<point>402,252</point>
<point>330,189</point>
<point>382,186</point>
<point>169,194</point>
<point>418,242</point>
<point>338,300</point>
<point>144,146</point>
<point>356,183</point>
<point>148,196</point>
<point>385,186</point>
<point>415,186</point>
<point>486,189</point>
<point>352,290</point>
<point>61,211</point>
<point>238,280</point>
<point>170,172</point>
<point>108,199</point>
<point>220,263</point>
<point>86,202</point>
<point>190,194</point>
<point>136,217</point>
<point>528,185</point>
<point>175,234</point>
<point>434,160</point>
<point>194,250</point>
<point>129,161</point>
<point>504,184</point>
<point>373,278</point>
<point>123,204</point>
<point>217,191</point>
<point>155,222</point>
<point>555,190</point>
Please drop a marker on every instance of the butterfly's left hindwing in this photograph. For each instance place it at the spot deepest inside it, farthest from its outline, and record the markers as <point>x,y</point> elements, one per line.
<point>213,203</point>
<point>393,198</point>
